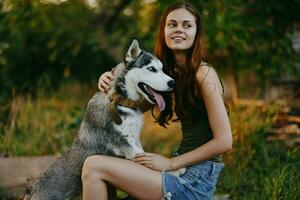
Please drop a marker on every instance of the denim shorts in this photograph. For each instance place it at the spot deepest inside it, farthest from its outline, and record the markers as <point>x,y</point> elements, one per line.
<point>198,182</point>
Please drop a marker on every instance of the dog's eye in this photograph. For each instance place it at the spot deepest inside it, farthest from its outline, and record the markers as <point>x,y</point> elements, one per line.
<point>151,69</point>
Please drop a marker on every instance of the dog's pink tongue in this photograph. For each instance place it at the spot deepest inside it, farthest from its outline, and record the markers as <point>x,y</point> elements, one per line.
<point>159,100</point>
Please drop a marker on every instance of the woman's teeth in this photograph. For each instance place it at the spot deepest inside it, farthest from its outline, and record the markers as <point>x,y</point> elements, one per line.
<point>178,38</point>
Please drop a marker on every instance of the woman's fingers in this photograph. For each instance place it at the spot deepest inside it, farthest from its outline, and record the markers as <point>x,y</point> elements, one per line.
<point>145,162</point>
<point>110,76</point>
<point>103,87</point>
<point>142,159</point>
<point>105,82</point>
<point>149,166</point>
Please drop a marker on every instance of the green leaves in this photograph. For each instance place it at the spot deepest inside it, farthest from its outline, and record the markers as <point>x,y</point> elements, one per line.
<point>55,41</point>
<point>71,40</point>
<point>253,33</point>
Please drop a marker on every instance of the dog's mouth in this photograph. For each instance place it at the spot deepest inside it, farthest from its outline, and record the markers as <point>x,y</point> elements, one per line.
<point>152,95</point>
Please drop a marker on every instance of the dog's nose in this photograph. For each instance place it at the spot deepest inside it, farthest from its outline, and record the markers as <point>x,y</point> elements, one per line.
<point>171,83</point>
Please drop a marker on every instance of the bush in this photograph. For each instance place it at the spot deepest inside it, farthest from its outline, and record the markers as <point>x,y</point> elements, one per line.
<point>45,44</point>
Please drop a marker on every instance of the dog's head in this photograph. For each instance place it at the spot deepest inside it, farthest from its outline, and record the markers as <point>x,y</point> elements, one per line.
<point>144,76</point>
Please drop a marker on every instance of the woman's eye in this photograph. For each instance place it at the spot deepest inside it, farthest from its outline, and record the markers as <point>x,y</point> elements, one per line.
<point>171,25</point>
<point>151,69</point>
<point>187,26</point>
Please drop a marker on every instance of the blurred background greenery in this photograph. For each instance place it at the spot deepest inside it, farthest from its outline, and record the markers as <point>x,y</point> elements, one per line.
<point>53,51</point>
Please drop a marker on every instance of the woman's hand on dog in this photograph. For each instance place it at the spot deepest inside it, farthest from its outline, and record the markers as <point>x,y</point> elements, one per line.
<point>153,161</point>
<point>105,82</point>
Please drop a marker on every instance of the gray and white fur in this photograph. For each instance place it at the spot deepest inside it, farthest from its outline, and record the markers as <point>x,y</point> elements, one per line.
<point>98,134</point>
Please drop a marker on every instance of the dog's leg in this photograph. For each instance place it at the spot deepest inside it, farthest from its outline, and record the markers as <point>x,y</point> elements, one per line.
<point>62,180</point>
<point>118,152</point>
<point>132,151</point>
<point>135,147</point>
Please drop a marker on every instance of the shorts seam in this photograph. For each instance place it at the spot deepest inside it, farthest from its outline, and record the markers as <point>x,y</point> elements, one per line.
<point>163,184</point>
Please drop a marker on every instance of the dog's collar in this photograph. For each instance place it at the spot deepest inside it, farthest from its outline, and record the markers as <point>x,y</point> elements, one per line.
<point>117,99</point>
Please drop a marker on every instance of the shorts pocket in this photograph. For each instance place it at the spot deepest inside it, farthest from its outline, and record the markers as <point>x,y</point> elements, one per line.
<point>191,175</point>
<point>216,168</point>
<point>209,171</point>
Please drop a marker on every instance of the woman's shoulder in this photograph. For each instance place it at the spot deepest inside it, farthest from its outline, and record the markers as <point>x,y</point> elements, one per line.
<point>207,77</point>
<point>206,72</point>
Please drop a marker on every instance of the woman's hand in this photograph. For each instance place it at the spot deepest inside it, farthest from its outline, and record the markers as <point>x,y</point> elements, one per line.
<point>105,82</point>
<point>153,161</point>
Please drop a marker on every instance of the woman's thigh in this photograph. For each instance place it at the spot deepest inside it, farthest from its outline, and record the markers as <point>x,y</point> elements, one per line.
<point>134,179</point>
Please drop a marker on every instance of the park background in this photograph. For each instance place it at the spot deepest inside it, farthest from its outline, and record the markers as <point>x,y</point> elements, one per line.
<point>52,53</point>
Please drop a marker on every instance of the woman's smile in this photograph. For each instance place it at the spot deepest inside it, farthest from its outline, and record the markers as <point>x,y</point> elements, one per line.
<point>178,38</point>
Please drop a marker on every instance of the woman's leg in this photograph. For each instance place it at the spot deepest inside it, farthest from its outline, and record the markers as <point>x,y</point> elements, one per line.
<point>135,179</point>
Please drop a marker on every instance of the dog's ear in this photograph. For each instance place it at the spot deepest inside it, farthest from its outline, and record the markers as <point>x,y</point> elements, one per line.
<point>133,51</point>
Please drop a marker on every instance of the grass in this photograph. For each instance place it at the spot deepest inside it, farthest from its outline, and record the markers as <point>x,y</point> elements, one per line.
<point>53,119</point>
<point>255,169</point>
<point>3,193</point>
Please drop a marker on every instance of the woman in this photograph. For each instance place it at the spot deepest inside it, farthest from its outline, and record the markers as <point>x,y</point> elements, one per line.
<point>200,108</point>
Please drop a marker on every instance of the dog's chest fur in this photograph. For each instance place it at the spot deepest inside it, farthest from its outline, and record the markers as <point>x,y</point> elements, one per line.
<point>132,123</point>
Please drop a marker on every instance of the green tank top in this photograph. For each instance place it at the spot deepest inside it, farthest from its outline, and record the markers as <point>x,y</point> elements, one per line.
<point>195,132</point>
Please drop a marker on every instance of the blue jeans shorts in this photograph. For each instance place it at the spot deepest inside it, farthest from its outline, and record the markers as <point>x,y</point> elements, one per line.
<point>198,182</point>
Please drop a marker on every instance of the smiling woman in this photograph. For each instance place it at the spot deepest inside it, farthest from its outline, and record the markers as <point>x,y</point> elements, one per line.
<point>200,108</point>
<point>180,30</point>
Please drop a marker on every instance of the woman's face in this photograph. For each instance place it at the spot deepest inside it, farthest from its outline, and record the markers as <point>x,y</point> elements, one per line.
<point>180,29</point>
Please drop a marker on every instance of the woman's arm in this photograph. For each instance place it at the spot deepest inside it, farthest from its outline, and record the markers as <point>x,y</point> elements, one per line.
<point>211,91</point>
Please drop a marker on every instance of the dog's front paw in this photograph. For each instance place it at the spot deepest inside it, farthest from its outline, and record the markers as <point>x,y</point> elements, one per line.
<point>131,154</point>
<point>118,152</point>
<point>178,172</point>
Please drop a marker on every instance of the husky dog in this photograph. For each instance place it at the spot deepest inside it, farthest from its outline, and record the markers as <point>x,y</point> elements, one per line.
<point>111,125</point>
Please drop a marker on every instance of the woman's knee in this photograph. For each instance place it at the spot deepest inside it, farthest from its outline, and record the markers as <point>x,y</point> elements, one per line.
<point>93,168</point>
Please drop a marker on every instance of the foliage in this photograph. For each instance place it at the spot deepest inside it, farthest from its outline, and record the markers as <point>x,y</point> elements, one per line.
<point>43,44</point>
<point>256,169</point>
<point>252,35</point>
<point>270,172</point>
<point>53,120</point>
<point>3,194</point>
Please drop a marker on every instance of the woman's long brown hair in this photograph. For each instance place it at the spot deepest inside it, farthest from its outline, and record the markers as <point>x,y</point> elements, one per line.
<point>186,83</point>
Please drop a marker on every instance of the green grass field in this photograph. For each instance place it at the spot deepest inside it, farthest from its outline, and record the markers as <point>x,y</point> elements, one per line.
<point>255,168</point>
